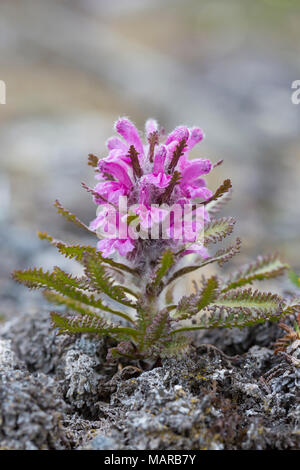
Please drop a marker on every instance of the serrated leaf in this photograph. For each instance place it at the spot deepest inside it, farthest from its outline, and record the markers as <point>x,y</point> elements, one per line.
<point>220,192</point>
<point>102,281</point>
<point>177,347</point>
<point>36,279</point>
<point>189,306</point>
<point>70,217</point>
<point>213,232</point>
<point>292,307</point>
<point>68,302</point>
<point>264,267</point>
<point>85,324</point>
<point>247,298</point>
<point>64,284</point>
<point>218,229</point>
<point>158,329</point>
<point>165,264</point>
<point>77,252</point>
<point>221,257</point>
<point>79,325</point>
<point>240,308</point>
<point>215,206</point>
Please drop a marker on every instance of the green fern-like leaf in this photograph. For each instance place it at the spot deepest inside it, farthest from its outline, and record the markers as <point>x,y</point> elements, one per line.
<point>159,329</point>
<point>213,232</point>
<point>166,263</point>
<point>77,252</point>
<point>144,317</point>
<point>189,306</point>
<point>221,257</point>
<point>94,325</point>
<point>69,216</point>
<point>38,279</point>
<point>79,324</point>
<point>102,281</point>
<point>292,306</point>
<point>177,346</point>
<point>266,303</point>
<point>164,266</point>
<point>264,267</point>
<point>240,308</point>
<point>68,302</point>
<point>64,284</point>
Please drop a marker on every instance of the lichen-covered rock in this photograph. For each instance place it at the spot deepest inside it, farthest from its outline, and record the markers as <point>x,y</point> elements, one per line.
<point>101,442</point>
<point>240,340</point>
<point>209,401</point>
<point>206,400</point>
<point>35,341</point>
<point>81,379</point>
<point>31,407</point>
<point>74,362</point>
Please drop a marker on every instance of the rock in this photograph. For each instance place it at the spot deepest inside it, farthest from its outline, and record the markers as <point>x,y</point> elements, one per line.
<point>101,442</point>
<point>81,380</point>
<point>210,403</point>
<point>31,407</point>
<point>237,341</point>
<point>35,341</point>
<point>206,400</point>
<point>73,361</point>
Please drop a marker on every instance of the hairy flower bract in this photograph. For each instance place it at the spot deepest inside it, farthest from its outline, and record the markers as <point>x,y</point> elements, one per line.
<point>151,176</point>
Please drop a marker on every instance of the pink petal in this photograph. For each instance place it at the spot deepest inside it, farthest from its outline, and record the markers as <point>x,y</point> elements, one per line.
<point>204,193</point>
<point>195,248</point>
<point>109,246</point>
<point>106,247</point>
<point>159,159</point>
<point>151,126</point>
<point>193,171</point>
<point>116,143</point>
<point>161,180</point>
<point>196,135</point>
<point>117,171</point>
<point>118,156</point>
<point>123,246</point>
<point>110,191</point>
<point>130,133</point>
<point>178,134</point>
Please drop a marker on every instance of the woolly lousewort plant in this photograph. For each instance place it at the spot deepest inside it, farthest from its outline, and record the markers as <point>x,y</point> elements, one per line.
<point>157,222</point>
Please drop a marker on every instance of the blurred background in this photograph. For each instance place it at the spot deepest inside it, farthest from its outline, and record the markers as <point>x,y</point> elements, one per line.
<point>71,67</point>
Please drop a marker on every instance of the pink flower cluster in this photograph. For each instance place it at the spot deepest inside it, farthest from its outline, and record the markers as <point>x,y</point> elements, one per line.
<point>149,175</point>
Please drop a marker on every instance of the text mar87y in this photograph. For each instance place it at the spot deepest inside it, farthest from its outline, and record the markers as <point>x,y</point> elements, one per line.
<point>151,459</point>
